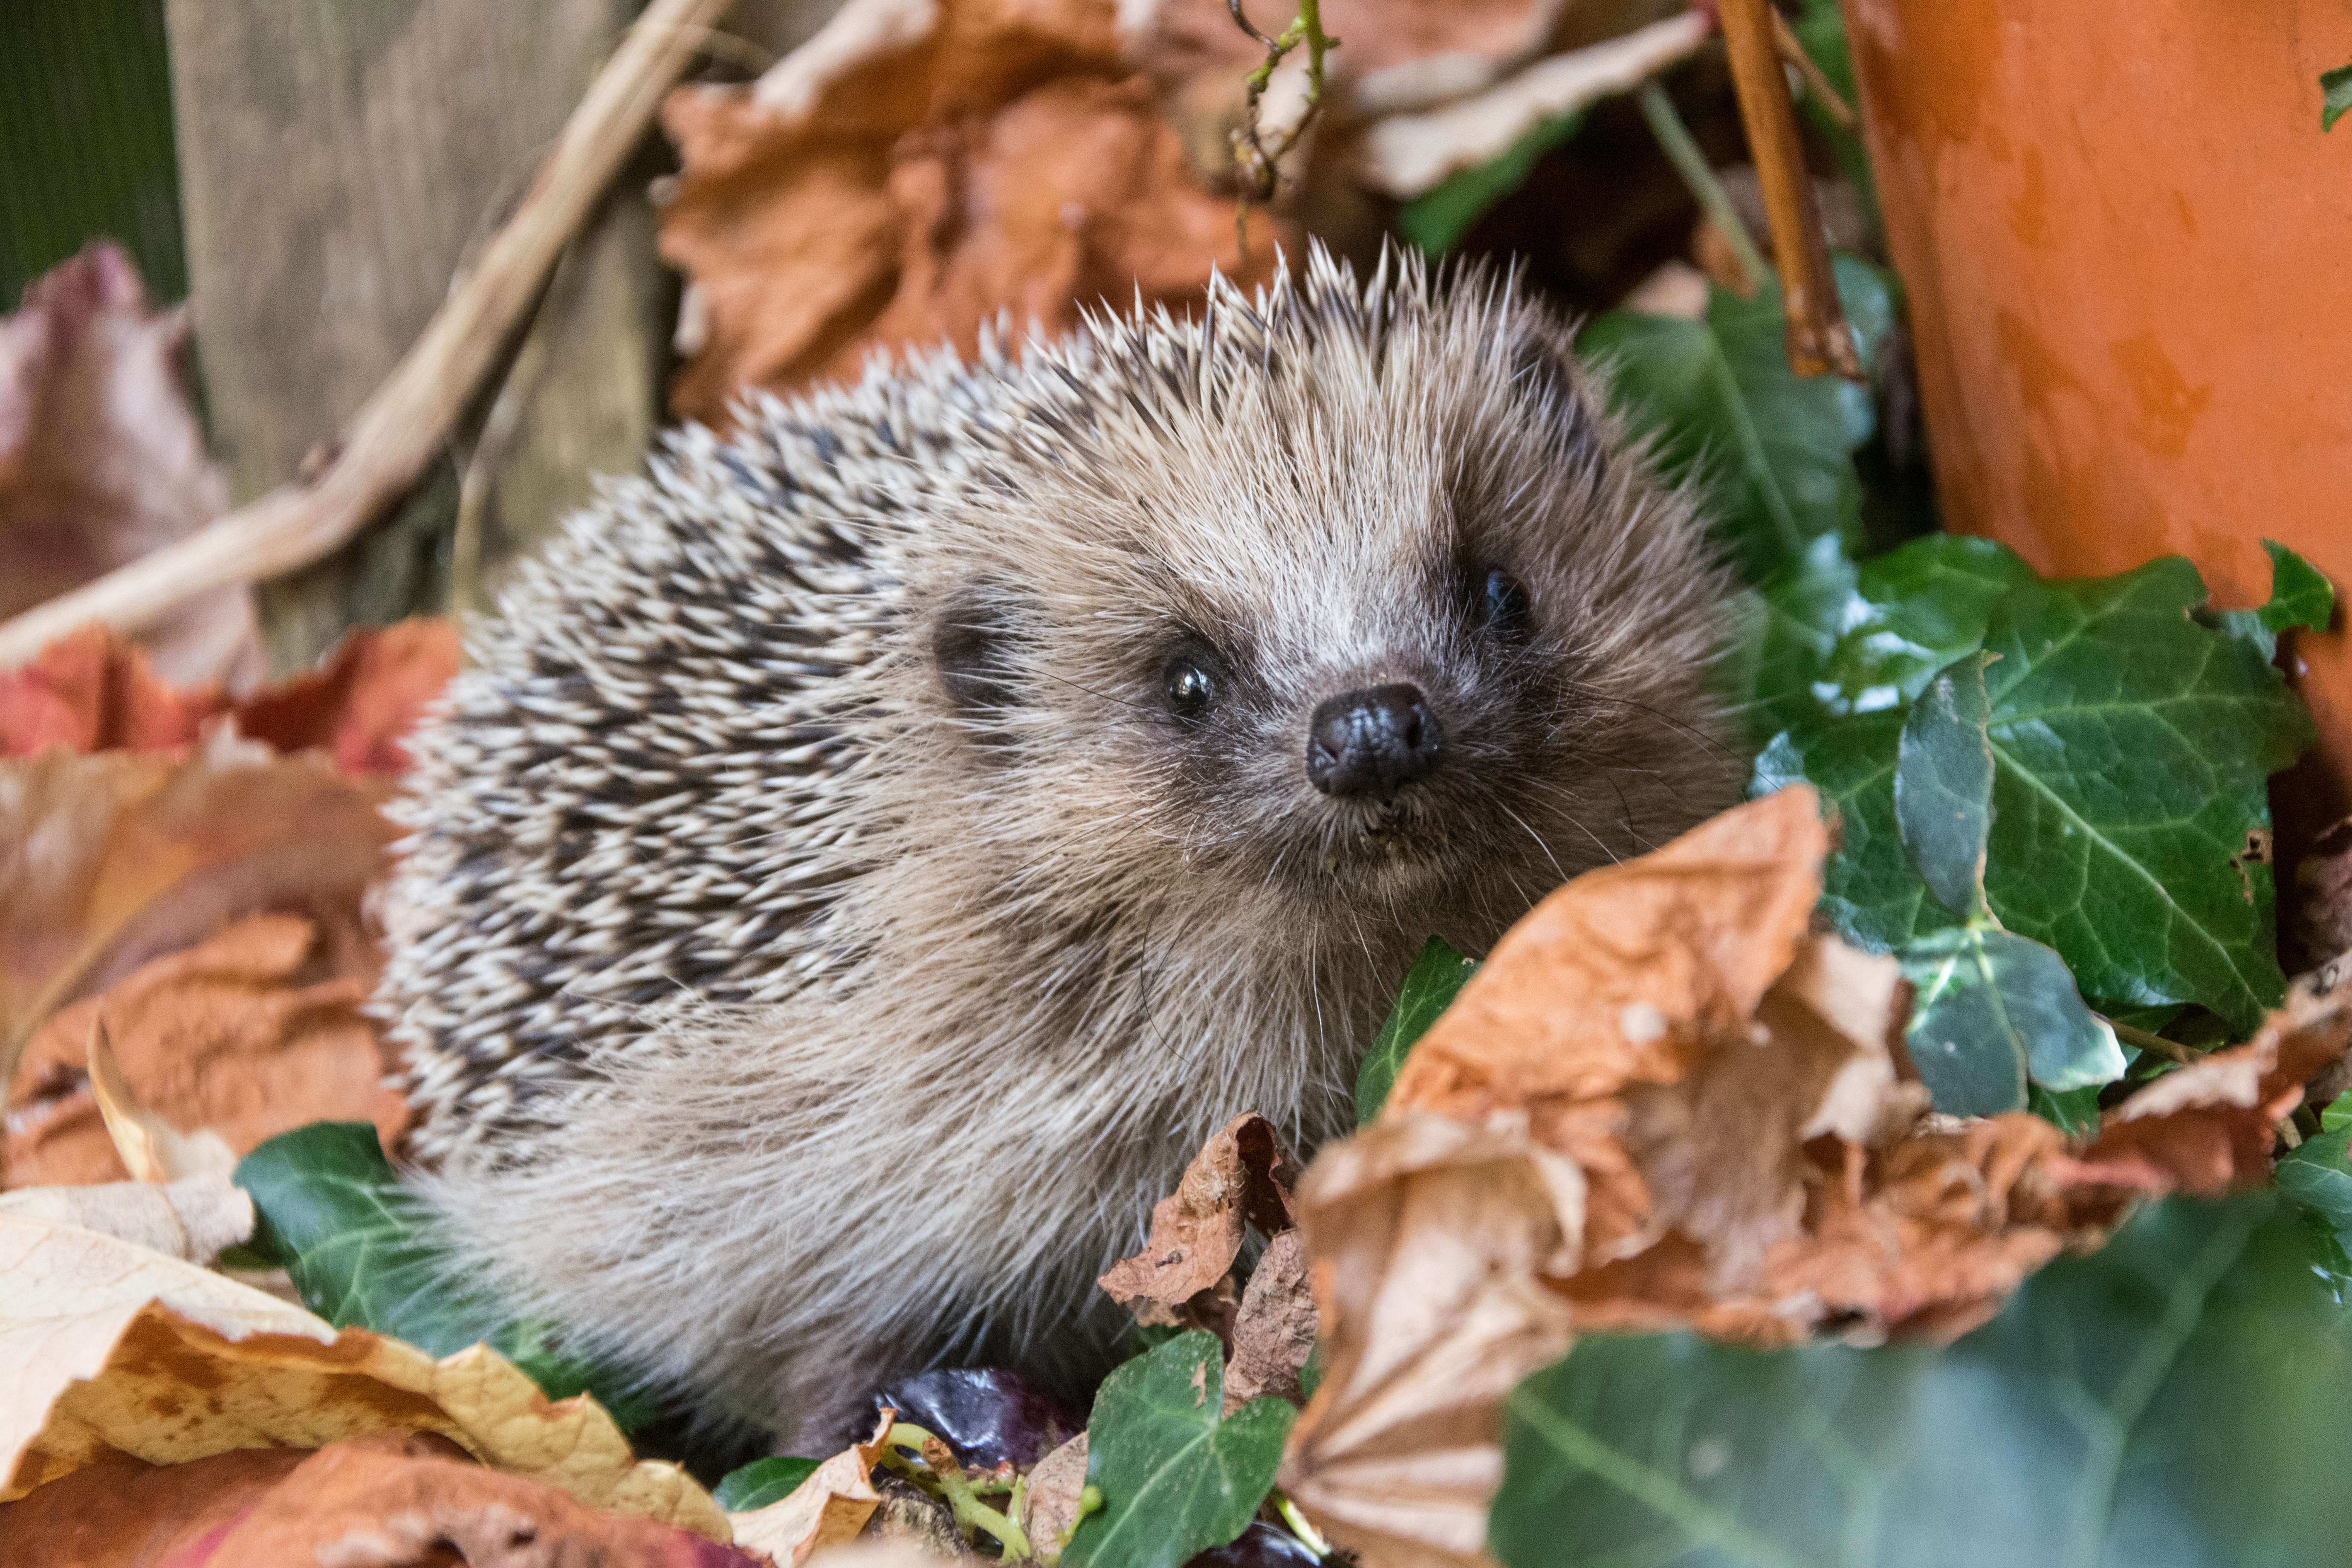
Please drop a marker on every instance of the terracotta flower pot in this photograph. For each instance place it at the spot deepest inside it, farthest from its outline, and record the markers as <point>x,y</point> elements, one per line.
<point>2129,251</point>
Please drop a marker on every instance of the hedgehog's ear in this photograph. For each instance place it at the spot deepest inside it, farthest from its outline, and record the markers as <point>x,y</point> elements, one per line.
<point>974,637</point>
<point>1559,397</point>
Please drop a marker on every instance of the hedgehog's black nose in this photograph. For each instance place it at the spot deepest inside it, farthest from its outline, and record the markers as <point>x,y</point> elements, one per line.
<point>1372,742</point>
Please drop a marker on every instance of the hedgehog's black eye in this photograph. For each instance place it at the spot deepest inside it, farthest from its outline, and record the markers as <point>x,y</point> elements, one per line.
<point>1190,690</point>
<point>1504,608</point>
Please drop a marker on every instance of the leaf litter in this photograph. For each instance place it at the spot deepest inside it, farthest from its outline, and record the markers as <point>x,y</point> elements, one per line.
<point>1674,1120</point>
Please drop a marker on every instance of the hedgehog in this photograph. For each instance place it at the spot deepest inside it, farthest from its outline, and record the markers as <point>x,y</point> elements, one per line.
<point>870,852</point>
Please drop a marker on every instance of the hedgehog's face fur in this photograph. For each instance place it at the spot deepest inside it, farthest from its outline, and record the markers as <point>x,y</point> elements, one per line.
<point>1382,621</point>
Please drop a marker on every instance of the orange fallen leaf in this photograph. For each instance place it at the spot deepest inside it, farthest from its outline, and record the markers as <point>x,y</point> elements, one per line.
<point>915,169</point>
<point>100,459</point>
<point>364,697</point>
<point>108,860</point>
<point>252,1033</point>
<point>93,691</point>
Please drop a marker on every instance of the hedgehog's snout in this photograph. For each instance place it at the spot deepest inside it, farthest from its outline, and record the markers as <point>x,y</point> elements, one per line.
<point>1373,743</point>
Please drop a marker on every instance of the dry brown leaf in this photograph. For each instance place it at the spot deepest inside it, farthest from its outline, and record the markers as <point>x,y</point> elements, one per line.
<point>364,697</point>
<point>2209,1127</point>
<point>385,1501</point>
<point>190,1219</point>
<point>150,1148</point>
<point>107,1348</point>
<point>1240,1177</point>
<point>1625,976</point>
<point>101,461</point>
<point>108,860</point>
<point>94,692</point>
<point>1273,1333</point>
<point>1050,1504</point>
<point>831,1506</point>
<point>1426,1237</point>
<point>250,1034</point>
<point>914,169</point>
<point>2320,913</point>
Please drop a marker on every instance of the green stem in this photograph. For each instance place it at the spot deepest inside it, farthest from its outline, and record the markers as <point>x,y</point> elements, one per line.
<point>938,1474</point>
<point>1683,152</point>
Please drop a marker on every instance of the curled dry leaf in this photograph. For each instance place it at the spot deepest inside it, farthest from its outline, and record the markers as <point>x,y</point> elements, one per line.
<point>1733,1097</point>
<point>1241,1177</point>
<point>915,169</point>
<point>190,1219</point>
<point>1427,1237</point>
<point>100,459</point>
<point>2209,1127</point>
<point>2321,910</point>
<point>1050,1505</point>
<point>247,1035</point>
<point>93,691</point>
<point>1273,1331</point>
<point>826,1509</point>
<point>107,1348</point>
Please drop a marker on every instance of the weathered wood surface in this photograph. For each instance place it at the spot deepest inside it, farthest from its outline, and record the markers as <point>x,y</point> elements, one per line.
<point>337,163</point>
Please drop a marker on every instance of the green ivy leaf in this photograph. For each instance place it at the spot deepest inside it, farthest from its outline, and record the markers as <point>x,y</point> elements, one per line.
<point>1797,620</point>
<point>331,1211</point>
<point>2300,596</point>
<point>1429,988</point>
<point>2317,1175</point>
<point>1175,1479</point>
<point>1870,892</point>
<point>1721,396</point>
<point>1990,1011</point>
<point>761,1482</point>
<point>1943,785</point>
<point>2074,1111</point>
<point>2182,1396</point>
<point>2130,748</point>
<point>2335,96</point>
<point>1920,607</point>
<point>1438,218</point>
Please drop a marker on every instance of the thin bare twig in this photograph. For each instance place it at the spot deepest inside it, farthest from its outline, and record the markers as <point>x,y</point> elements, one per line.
<point>1256,167</point>
<point>2154,1045</point>
<point>1818,338</point>
<point>1817,81</point>
<point>406,424</point>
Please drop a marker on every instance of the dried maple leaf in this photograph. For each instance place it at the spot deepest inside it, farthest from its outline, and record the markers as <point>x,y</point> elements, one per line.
<point>1240,1177</point>
<point>101,461</point>
<point>915,169</point>
<point>247,1035</point>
